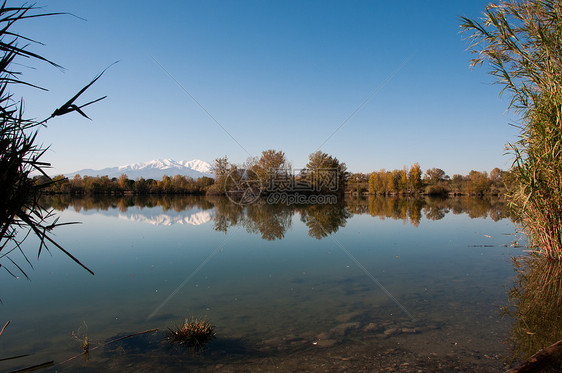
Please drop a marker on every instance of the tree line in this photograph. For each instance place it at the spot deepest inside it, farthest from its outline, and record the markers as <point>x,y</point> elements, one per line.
<point>177,184</point>
<point>433,182</point>
<point>322,174</point>
<point>271,172</point>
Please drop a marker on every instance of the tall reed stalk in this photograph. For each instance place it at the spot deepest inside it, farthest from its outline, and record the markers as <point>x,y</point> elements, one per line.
<point>521,42</point>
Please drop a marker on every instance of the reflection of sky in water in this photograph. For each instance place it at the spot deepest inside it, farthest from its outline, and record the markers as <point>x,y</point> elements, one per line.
<point>441,270</point>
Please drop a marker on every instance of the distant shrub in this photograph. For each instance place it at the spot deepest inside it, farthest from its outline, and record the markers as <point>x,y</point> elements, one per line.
<point>436,190</point>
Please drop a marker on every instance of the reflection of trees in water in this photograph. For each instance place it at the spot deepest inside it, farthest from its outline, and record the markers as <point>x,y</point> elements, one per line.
<point>494,208</point>
<point>323,220</point>
<point>433,212</point>
<point>357,205</point>
<point>395,208</point>
<point>474,207</point>
<point>273,220</point>
<point>227,214</point>
<point>535,305</point>
<point>412,209</point>
<point>104,203</point>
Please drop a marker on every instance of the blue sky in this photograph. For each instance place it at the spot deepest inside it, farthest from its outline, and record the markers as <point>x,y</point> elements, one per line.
<point>276,75</point>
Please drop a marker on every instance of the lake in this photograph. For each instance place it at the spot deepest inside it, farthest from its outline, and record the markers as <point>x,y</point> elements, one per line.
<point>368,284</point>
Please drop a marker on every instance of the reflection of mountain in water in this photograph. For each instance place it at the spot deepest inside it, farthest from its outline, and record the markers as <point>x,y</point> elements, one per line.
<point>155,218</point>
<point>155,210</point>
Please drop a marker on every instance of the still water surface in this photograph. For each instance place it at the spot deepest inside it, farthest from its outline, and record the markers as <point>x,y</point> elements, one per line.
<point>369,284</point>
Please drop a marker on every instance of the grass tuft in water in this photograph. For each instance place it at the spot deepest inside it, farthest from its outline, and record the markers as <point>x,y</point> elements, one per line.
<point>193,333</point>
<point>82,336</point>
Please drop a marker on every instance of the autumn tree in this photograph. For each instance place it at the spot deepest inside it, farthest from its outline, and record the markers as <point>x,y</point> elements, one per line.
<point>376,183</point>
<point>358,183</point>
<point>76,185</point>
<point>141,187</point>
<point>220,168</point>
<point>391,181</point>
<point>60,184</point>
<point>273,161</point>
<point>434,176</point>
<point>165,185</point>
<point>326,173</point>
<point>457,183</point>
<point>415,177</point>
<point>496,175</point>
<point>271,165</point>
<point>403,183</point>
<point>204,183</point>
<point>479,183</point>
<point>122,181</point>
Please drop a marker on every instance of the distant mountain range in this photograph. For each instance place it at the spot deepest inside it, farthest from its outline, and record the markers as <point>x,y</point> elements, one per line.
<point>154,169</point>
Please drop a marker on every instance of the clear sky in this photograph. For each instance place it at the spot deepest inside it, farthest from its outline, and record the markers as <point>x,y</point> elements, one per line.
<point>276,75</point>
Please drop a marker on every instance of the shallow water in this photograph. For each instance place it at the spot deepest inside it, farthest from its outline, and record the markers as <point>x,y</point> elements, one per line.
<point>368,285</point>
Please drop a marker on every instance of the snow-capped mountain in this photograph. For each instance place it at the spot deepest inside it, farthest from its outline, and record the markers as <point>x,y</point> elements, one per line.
<point>154,169</point>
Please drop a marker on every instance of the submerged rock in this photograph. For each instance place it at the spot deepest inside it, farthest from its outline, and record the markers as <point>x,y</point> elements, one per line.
<point>425,328</point>
<point>371,327</point>
<point>276,342</point>
<point>342,329</point>
<point>347,316</point>
<point>392,331</point>
<point>408,330</point>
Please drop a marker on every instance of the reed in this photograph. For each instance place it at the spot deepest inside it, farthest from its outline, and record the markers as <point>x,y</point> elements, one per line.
<point>21,213</point>
<point>520,42</point>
